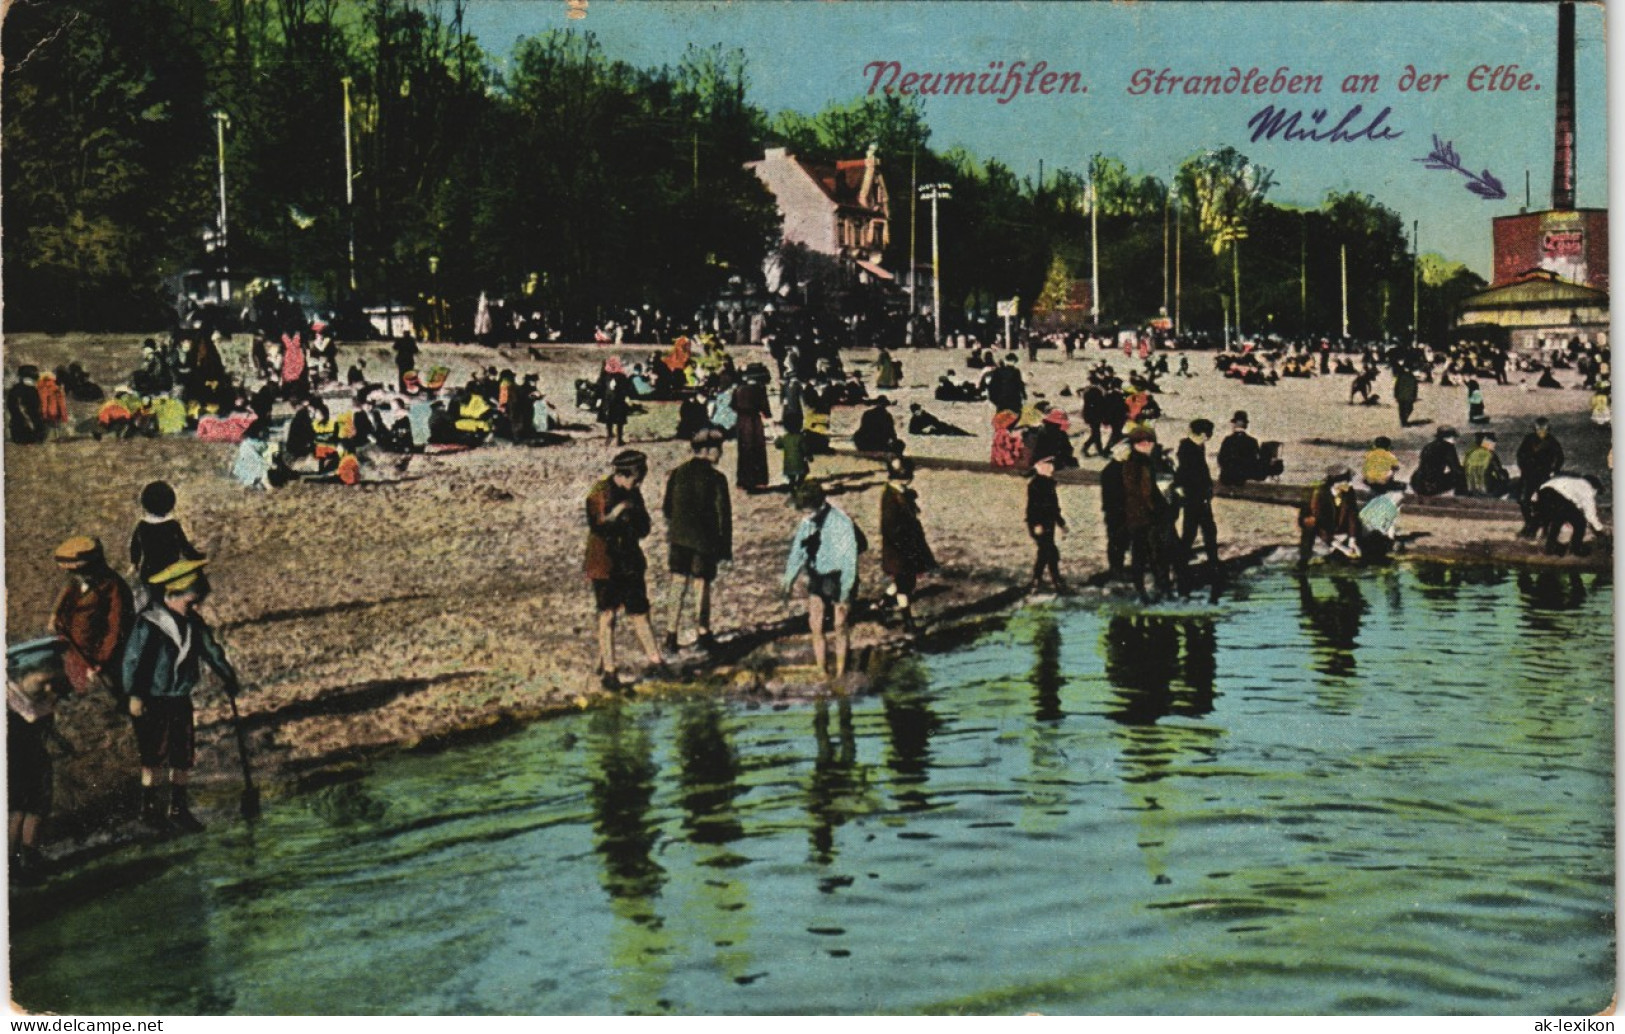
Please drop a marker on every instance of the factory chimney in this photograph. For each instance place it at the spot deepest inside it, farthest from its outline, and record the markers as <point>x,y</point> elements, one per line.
<point>1563,149</point>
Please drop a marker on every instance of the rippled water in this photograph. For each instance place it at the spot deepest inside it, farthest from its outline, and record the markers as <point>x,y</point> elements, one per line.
<point>1369,792</point>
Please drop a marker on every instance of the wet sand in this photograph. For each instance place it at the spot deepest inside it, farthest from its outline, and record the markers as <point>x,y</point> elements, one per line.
<point>444,600</point>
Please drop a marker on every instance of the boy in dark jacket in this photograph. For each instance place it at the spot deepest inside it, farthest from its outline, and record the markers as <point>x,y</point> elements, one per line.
<point>162,668</point>
<point>1043,519</point>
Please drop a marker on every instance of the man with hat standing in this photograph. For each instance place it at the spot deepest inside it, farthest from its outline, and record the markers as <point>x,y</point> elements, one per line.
<point>1147,516</point>
<point>1540,458</point>
<point>162,668</point>
<point>616,520</point>
<point>34,679</point>
<point>904,552</point>
<point>93,615</point>
<point>1195,485</point>
<point>699,534</point>
<point>1405,393</point>
<point>1044,518</point>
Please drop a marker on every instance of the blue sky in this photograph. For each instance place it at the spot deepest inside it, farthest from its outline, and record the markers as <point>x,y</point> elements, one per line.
<point>805,54</point>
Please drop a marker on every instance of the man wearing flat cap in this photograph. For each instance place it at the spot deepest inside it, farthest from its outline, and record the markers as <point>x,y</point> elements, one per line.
<point>616,522</point>
<point>699,534</point>
<point>163,665</point>
<point>1148,518</point>
<point>93,615</point>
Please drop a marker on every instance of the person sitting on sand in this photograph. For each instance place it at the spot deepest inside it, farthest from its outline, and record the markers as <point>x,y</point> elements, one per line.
<point>1483,469</point>
<point>1438,469</point>
<point>877,431</point>
<point>1381,465</point>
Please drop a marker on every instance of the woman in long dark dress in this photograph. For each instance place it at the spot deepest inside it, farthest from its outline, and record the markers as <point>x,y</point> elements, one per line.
<point>750,402</point>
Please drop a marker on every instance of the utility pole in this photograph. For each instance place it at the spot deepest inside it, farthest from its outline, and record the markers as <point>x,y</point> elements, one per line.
<point>1179,256</point>
<point>1345,292</point>
<point>1416,284</point>
<point>1235,279</point>
<point>349,181</point>
<point>1094,245</point>
<point>913,223</point>
<point>934,192</point>
<point>1167,199</point>
<point>221,121</point>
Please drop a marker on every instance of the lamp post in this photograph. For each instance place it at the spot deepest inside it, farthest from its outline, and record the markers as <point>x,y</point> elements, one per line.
<point>1416,284</point>
<point>434,303</point>
<point>934,192</point>
<point>349,180</point>
<point>221,121</point>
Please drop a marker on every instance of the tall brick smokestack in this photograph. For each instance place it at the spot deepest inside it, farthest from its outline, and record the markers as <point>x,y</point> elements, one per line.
<point>1563,149</point>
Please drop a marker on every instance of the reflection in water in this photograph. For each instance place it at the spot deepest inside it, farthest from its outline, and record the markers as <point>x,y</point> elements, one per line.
<point>905,697</point>
<point>717,899</point>
<point>622,789</point>
<point>1046,674</point>
<point>709,776</point>
<point>1143,660</point>
<point>1333,623</point>
<point>1548,592</point>
<point>1160,666</point>
<point>1196,827</point>
<point>837,787</point>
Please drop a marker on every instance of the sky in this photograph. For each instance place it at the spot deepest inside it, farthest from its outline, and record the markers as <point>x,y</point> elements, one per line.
<point>805,54</point>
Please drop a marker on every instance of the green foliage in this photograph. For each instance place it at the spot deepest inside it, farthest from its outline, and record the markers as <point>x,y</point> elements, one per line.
<point>577,182</point>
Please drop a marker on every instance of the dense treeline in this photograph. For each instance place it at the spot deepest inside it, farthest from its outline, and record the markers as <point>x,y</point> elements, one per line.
<point>577,184</point>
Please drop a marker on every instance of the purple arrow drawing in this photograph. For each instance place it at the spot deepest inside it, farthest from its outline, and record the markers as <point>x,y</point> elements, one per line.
<point>1444,156</point>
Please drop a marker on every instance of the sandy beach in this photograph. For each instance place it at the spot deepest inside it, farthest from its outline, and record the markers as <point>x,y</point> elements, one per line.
<point>443,597</point>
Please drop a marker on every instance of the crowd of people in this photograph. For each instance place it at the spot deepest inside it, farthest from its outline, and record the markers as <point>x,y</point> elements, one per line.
<point>144,648</point>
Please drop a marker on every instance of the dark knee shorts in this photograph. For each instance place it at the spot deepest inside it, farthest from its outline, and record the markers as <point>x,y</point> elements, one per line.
<point>827,587</point>
<point>163,733</point>
<point>622,592</point>
<point>28,767</point>
<point>906,581</point>
<point>691,563</point>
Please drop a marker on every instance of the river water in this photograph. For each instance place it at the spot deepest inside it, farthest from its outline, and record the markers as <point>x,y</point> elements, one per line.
<point>1368,792</point>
